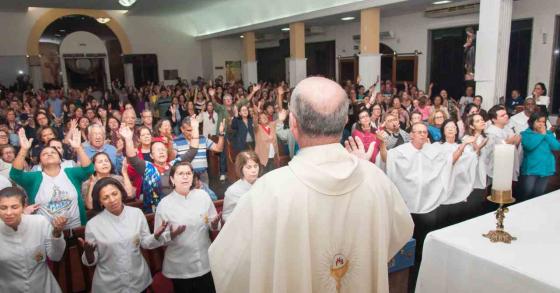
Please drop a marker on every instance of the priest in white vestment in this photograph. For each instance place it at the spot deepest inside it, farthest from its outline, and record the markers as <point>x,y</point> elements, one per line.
<point>327,222</point>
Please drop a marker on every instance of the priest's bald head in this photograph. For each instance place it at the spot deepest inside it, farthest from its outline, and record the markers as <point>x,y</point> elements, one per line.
<point>318,111</point>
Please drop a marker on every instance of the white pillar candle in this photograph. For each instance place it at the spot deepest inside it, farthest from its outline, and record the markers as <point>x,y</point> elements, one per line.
<point>503,167</point>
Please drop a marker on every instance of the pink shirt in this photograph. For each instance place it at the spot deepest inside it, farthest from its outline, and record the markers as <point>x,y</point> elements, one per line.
<point>367,138</point>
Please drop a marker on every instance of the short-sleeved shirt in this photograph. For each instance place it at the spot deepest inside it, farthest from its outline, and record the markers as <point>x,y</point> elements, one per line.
<point>58,197</point>
<point>200,163</point>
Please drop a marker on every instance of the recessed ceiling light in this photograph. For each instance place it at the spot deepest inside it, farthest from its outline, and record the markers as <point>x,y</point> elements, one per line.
<point>242,36</point>
<point>347,18</point>
<point>103,19</point>
<point>285,29</point>
<point>126,3</point>
<point>20,72</point>
<point>441,2</point>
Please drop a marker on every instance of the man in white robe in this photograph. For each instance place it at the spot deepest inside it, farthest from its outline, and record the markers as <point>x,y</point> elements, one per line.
<point>499,133</point>
<point>422,173</point>
<point>327,222</point>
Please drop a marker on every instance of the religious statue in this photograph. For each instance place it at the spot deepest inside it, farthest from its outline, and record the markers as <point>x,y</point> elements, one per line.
<point>470,52</point>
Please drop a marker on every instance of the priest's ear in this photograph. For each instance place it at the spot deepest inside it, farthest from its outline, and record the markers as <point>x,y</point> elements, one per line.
<point>294,126</point>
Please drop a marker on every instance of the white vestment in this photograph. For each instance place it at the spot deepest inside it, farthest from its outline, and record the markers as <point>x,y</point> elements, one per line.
<point>496,136</point>
<point>463,173</point>
<point>422,176</point>
<point>481,164</point>
<point>23,256</point>
<point>326,220</point>
<point>120,265</point>
<point>232,196</point>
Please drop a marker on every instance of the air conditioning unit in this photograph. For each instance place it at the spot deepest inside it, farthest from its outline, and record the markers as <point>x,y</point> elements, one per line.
<point>386,35</point>
<point>314,30</point>
<point>383,35</point>
<point>453,9</point>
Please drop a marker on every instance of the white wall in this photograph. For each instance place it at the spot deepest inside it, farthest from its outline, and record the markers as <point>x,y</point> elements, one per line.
<point>411,33</point>
<point>170,38</point>
<point>10,67</point>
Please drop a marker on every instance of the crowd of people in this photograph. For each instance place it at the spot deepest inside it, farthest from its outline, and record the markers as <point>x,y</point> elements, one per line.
<point>94,150</point>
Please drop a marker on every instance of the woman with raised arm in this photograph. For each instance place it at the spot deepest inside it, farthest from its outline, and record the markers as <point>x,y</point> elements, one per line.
<point>57,191</point>
<point>156,173</point>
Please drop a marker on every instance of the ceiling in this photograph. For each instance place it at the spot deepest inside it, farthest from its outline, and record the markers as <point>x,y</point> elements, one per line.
<point>59,29</point>
<point>141,7</point>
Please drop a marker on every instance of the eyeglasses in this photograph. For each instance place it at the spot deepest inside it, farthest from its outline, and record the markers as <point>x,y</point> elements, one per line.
<point>420,132</point>
<point>439,117</point>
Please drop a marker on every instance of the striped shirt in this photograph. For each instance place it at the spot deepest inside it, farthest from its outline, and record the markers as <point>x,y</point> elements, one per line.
<point>199,163</point>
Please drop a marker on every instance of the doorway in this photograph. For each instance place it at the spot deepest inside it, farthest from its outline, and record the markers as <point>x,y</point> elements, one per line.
<point>555,82</point>
<point>348,68</point>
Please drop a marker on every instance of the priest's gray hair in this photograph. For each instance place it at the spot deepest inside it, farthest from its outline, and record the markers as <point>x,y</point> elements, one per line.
<point>316,124</point>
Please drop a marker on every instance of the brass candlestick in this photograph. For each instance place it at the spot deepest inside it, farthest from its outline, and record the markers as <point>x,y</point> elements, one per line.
<point>501,198</point>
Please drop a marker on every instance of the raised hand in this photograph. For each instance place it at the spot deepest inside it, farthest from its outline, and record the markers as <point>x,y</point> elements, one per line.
<point>256,88</point>
<point>177,231</point>
<point>75,139</point>
<point>73,124</point>
<point>125,132</point>
<point>24,143</point>
<point>211,92</point>
<point>160,229</point>
<point>356,148</point>
<point>280,90</point>
<point>58,224</point>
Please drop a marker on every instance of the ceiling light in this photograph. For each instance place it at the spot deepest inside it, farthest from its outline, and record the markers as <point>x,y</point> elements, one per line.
<point>557,51</point>
<point>285,29</point>
<point>103,19</point>
<point>20,72</point>
<point>126,3</point>
<point>242,36</point>
<point>347,18</point>
<point>441,2</point>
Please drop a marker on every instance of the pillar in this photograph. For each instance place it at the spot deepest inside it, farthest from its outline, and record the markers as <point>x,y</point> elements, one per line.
<point>107,72</point>
<point>369,58</point>
<point>35,71</point>
<point>129,74</point>
<point>297,63</point>
<point>492,50</point>
<point>250,59</point>
<point>64,74</point>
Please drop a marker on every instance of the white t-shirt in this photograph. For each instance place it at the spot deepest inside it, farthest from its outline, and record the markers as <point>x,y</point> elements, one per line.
<point>58,197</point>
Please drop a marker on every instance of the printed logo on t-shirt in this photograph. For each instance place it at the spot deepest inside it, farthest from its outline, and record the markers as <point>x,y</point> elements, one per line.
<point>58,205</point>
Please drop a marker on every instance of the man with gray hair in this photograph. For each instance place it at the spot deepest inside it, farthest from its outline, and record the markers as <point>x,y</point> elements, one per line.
<point>96,144</point>
<point>327,222</point>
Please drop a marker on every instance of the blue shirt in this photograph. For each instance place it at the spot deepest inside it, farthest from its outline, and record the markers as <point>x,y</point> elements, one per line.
<point>538,159</point>
<point>110,150</point>
<point>56,105</point>
<point>199,163</point>
<point>435,133</point>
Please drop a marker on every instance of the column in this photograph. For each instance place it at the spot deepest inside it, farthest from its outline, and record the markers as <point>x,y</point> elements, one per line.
<point>369,58</point>
<point>492,50</point>
<point>107,72</point>
<point>64,74</point>
<point>250,59</point>
<point>128,74</point>
<point>297,63</point>
<point>35,71</point>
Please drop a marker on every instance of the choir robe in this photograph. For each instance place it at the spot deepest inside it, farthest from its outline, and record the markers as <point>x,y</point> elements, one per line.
<point>482,163</point>
<point>463,174</point>
<point>422,176</point>
<point>326,220</point>
<point>120,265</point>
<point>496,136</point>
<point>23,256</point>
